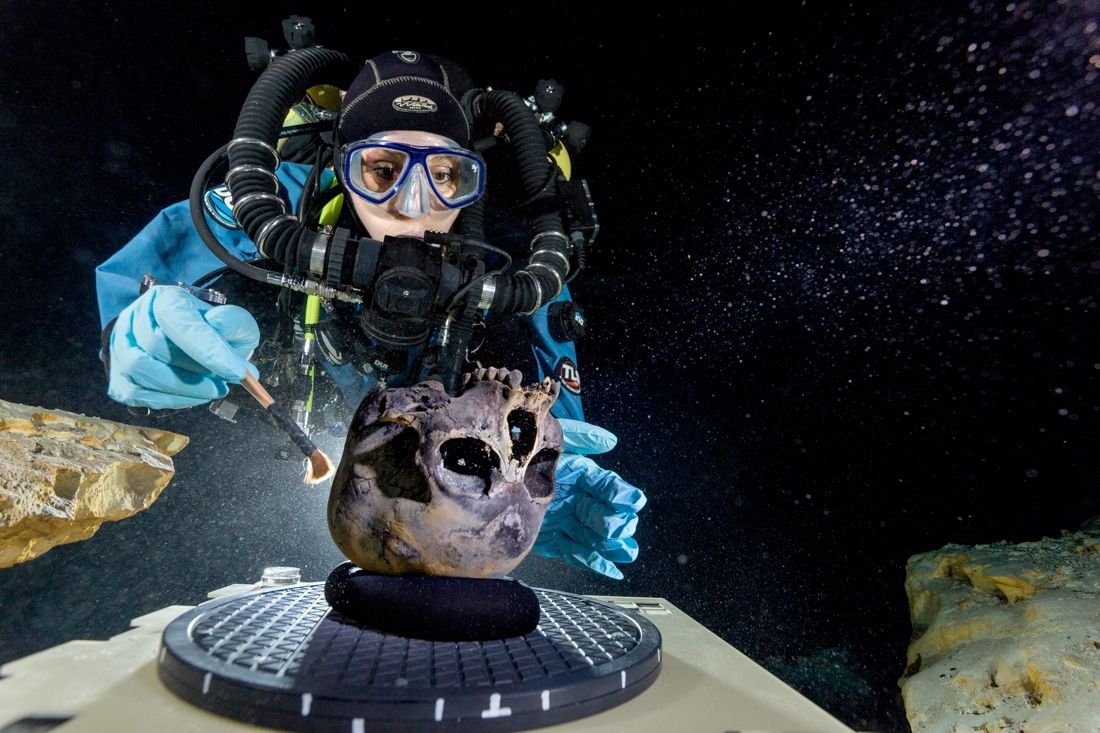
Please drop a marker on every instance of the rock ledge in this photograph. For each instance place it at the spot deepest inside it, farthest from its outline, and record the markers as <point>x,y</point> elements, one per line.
<point>62,475</point>
<point>1006,637</point>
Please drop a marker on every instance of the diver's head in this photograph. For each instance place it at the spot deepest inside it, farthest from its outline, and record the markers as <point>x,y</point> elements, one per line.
<point>403,138</point>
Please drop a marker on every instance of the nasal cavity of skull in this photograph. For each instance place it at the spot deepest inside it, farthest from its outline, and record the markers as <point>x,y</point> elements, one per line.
<point>470,457</point>
<point>522,431</point>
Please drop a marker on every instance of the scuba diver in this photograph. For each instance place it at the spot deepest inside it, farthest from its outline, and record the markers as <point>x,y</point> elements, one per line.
<point>384,269</point>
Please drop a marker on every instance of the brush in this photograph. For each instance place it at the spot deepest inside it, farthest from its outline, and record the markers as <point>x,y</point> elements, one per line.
<point>320,467</point>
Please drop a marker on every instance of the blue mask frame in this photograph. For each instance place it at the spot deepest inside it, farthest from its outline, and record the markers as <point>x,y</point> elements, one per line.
<point>472,171</point>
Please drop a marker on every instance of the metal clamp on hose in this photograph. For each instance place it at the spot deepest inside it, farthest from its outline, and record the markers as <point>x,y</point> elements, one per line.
<point>319,251</point>
<point>553,272</point>
<point>564,259</point>
<point>245,200</point>
<point>556,234</point>
<point>538,290</point>
<point>249,168</point>
<point>488,292</point>
<point>266,229</point>
<point>255,141</point>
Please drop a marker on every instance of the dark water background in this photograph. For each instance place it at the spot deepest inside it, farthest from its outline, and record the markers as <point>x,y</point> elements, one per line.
<point>843,306</point>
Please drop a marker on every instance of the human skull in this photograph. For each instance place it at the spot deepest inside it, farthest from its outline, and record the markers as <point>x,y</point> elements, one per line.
<point>432,484</point>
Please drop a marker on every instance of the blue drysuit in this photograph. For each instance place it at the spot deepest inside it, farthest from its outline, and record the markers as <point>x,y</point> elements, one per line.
<point>171,250</point>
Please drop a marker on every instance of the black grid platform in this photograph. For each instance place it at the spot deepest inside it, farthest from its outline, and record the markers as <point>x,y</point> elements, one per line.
<point>282,658</point>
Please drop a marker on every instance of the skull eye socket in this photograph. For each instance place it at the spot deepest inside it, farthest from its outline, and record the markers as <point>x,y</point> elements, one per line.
<point>539,477</point>
<point>392,465</point>
<point>470,457</point>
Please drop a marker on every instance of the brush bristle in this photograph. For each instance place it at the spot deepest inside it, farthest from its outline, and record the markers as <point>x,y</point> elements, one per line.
<point>320,468</point>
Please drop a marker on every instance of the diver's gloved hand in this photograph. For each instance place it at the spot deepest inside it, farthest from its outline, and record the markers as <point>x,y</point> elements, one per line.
<point>591,520</point>
<point>169,349</point>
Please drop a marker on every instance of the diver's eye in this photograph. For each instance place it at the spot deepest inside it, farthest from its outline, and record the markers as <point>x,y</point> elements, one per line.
<point>443,176</point>
<point>380,170</point>
<point>384,173</point>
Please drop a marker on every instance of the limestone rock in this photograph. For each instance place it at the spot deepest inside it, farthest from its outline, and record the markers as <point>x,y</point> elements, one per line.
<point>1006,637</point>
<point>62,475</point>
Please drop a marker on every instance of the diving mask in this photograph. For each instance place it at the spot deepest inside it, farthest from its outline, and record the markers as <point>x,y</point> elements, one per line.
<point>377,170</point>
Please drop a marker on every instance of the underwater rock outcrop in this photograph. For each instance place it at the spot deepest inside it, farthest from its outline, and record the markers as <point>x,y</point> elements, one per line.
<point>62,475</point>
<point>1006,637</point>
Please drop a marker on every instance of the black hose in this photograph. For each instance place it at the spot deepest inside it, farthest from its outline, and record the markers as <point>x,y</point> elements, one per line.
<point>311,185</point>
<point>580,256</point>
<point>307,191</point>
<point>199,184</point>
<point>471,221</point>
<point>258,210</point>
<point>452,360</point>
<point>542,278</point>
<point>208,279</point>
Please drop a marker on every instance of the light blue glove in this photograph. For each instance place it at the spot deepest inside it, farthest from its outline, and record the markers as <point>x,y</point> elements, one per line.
<point>169,349</point>
<point>591,520</point>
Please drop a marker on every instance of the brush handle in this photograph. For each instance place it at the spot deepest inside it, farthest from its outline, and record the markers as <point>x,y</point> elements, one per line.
<point>257,390</point>
<point>279,415</point>
<point>288,426</point>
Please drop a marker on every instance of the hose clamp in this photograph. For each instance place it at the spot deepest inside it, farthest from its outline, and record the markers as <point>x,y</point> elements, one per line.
<point>552,271</point>
<point>254,141</point>
<point>488,292</point>
<point>319,252</point>
<point>268,227</point>
<point>538,289</point>
<point>250,168</point>
<point>564,259</point>
<point>555,234</point>
<point>238,206</point>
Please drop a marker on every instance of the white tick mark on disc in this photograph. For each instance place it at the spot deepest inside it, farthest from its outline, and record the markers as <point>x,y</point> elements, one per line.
<point>495,710</point>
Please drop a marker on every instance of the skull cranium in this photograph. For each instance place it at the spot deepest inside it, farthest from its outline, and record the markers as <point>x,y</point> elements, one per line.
<point>437,484</point>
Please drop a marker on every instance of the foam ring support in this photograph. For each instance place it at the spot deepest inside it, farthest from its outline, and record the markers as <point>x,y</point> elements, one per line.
<point>255,657</point>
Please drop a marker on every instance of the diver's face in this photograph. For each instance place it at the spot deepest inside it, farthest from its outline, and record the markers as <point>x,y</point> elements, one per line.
<point>416,208</point>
